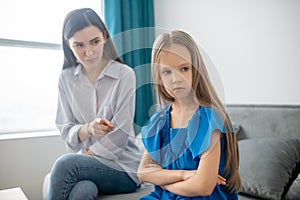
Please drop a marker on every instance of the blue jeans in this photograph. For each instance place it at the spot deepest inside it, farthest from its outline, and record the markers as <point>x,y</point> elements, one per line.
<point>78,177</point>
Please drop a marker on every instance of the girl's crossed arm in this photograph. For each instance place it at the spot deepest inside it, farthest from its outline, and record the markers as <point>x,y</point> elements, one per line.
<point>204,181</point>
<point>200,182</point>
<point>149,171</point>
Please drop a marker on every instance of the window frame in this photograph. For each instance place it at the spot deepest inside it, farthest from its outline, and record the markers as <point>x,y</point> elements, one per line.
<point>6,41</point>
<point>11,43</point>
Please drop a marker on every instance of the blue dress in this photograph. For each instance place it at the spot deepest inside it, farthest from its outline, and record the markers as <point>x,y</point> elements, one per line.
<point>179,148</point>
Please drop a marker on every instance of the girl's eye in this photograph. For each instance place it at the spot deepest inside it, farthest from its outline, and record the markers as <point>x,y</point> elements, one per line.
<point>166,72</point>
<point>185,69</point>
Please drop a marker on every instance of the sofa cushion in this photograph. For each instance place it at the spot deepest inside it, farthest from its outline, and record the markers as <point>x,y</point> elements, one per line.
<point>145,189</point>
<point>267,165</point>
<point>294,191</point>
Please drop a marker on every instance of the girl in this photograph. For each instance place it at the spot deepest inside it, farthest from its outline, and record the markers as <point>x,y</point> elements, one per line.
<point>190,141</point>
<point>95,114</point>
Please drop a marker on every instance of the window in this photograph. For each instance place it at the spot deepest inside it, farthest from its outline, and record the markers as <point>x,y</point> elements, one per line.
<point>31,61</point>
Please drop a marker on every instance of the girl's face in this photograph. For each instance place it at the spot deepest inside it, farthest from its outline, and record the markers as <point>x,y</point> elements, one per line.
<point>176,72</point>
<point>87,46</point>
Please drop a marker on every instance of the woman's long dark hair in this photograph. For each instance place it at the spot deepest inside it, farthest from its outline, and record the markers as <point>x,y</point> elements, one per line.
<point>77,20</point>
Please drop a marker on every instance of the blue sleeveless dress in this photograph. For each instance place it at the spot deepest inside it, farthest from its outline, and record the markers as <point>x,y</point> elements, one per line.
<point>180,148</point>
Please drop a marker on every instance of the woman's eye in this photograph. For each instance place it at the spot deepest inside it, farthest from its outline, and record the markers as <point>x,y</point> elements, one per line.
<point>78,45</point>
<point>96,41</point>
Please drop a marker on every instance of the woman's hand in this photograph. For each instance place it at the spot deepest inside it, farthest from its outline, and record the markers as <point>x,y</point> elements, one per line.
<point>88,152</point>
<point>100,127</point>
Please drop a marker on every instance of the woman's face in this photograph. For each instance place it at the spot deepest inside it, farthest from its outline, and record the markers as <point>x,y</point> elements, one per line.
<point>87,46</point>
<point>176,72</point>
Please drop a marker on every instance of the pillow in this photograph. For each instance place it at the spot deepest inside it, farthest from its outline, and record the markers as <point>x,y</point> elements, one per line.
<point>294,191</point>
<point>237,128</point>
<point>267,165</point>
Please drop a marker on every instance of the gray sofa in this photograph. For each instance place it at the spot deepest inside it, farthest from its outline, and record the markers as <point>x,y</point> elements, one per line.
<point>269,153</point>
<point>269,150</point>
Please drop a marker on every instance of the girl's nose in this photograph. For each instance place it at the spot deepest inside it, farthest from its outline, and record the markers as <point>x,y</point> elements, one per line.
<point>177,77</point>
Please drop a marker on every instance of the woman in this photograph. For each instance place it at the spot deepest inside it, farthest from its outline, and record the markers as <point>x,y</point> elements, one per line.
<point>95,114</point>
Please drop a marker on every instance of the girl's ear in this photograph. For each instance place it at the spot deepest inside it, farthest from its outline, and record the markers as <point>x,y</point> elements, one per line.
<point>160,82</point>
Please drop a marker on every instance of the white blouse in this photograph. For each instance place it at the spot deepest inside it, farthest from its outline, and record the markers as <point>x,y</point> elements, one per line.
<point>112,96</point>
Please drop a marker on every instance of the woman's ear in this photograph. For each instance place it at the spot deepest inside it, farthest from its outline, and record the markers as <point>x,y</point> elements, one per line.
<point>66,46</point>
<point>105,35</point>
<point>67,43</point>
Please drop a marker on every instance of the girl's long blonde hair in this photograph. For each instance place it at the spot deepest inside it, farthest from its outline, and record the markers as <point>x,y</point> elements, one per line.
<point>205,94</point>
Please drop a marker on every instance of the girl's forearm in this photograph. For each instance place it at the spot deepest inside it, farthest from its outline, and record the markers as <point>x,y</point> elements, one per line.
<point>159,176</point>
<point>188,188</point>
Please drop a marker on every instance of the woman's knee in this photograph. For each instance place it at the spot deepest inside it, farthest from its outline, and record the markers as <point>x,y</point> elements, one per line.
<point>63,162</point>
<point>85,189</point>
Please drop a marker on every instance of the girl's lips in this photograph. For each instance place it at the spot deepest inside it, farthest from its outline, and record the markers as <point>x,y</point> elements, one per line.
<point>178,88</point>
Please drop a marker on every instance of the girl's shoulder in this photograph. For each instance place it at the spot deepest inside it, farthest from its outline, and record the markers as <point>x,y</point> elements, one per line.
<point>209,114</point>
<point>160,113</point>
<point>212,119</point>
<point>156,121</point>
<point>207,111</point>
<point>200,130</point>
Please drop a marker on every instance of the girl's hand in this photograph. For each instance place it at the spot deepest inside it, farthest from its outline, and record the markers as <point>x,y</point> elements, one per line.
<point>221,180</point>
<point>100,127</point>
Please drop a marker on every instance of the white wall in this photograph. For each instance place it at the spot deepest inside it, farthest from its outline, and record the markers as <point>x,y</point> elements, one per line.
<point>254,44</point>
<point>25,162</point>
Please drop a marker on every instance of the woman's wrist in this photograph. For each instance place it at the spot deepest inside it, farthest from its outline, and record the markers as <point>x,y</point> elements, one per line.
<point>89,129</point>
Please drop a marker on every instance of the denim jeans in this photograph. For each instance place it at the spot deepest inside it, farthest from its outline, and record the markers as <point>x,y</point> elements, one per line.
<point>78,177</point>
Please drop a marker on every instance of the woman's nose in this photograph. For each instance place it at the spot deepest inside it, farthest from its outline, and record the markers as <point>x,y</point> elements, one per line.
<point>89,50</point>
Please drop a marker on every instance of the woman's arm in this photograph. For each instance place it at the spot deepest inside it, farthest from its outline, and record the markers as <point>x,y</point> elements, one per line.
<point>149,171</point>
<point>98,128</point>
<point>204,181</point>
<point>123,108</point>
<point>65,121</point>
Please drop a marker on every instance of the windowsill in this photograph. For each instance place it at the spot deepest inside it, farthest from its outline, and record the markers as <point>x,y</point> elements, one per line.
<point>13,136</point>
